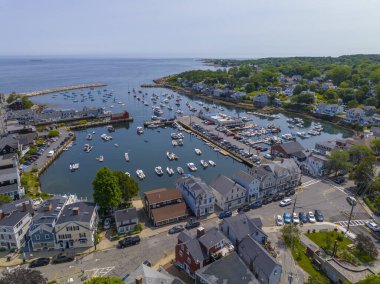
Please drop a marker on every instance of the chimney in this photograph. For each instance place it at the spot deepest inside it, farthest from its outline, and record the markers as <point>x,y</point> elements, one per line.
<point>48,207</point>
<point>200,232</point>
<point>1,214</point>
<point>138,280</point>
<point>75,211</point>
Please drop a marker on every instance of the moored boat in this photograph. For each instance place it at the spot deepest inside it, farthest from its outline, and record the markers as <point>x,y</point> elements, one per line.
<point>159,171</point>
<point>180,171</point>
<point>140,174</point>
<point>198,151</point>
<point>212,163</point>
<point>191,167</point>
<point>126,156</point>
<point>204,164</point>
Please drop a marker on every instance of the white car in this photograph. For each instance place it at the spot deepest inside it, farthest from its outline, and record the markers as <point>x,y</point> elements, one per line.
<point>279,221</point>
<point>373,226</point>
<point>311,217</point>
<point>107,224</point>
<point>295,218</point>
<point>285,202</point>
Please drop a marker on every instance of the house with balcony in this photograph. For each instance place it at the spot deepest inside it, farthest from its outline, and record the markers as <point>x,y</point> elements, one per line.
<point>228,193</point>
<point>76,226</point>
<point>14,228</point>
<point>41,232</point>
<point>197,195</point>
<point>328,109</point>
<point>195,252</point>
<point>250,183</point>
<point>126,220</point>
<point>164,206</point>
<point>263,265</point>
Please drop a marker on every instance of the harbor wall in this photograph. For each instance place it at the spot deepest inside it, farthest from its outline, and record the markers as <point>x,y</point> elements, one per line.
<point>62,89</point>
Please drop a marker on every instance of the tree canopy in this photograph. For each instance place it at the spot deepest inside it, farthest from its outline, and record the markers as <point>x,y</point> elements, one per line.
<point>22,275</point>
<point>107,192</point>
<point>128,186</point>
<point>338,161</point>
<point>104,280</point>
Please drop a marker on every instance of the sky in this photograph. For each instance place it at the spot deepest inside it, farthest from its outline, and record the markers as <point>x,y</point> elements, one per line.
<point>189,28</point>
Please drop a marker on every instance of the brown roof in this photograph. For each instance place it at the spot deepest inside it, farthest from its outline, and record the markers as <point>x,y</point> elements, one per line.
<point>169,212</point>
<point>162,194</point>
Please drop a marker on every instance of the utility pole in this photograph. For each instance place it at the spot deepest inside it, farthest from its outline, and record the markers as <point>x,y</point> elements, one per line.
<point>349,219</point>
<point>294,208</point>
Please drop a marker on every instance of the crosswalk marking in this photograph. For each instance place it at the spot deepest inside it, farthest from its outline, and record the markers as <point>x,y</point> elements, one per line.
<point>310,182</point>
<point>352,223</point>
<point>99,272</point>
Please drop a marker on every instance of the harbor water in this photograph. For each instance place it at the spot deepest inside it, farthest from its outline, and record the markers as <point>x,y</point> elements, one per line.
<point>147,150</point>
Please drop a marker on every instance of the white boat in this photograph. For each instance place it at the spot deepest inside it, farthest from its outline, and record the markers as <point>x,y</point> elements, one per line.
<point>191,167</point>
<point>170,156</point>
<point>212,163</point>
<point>302,134</point>
<point>152,126</point>
<point>87,148</point>
<point>180,171</point>
<point>73,167</point>
<point>169,171</point>
<point>126,156</point>
<point>140,174</point>
<point>159,171</point>
<point>116,145</point>
<point>204,164</point>
<point>100,158</point>
<point>174,143</point>
<point>89,136</point>
<point>198,151</point>
<point>140,130</point>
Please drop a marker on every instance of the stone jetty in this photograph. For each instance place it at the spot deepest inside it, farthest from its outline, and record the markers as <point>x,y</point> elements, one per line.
<point>62,89</point>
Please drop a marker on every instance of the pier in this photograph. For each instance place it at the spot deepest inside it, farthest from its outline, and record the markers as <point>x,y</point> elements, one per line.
<point>62,89</point>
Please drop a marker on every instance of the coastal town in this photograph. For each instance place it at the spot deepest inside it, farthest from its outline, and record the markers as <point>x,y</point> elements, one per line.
<point>290,214</point>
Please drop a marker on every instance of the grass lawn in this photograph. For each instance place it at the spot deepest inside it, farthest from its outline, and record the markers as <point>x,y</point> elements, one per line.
<point>305,263</point>
<point>370,204</point>
<point>319,238</point>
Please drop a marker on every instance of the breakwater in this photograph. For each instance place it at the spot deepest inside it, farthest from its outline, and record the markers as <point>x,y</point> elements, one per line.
<point>62,89</point>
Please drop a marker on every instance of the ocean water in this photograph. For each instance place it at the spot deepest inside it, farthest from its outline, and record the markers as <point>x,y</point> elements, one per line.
<point>146,151</point>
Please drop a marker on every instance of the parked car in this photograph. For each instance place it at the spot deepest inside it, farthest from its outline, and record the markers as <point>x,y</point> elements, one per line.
<point>295,219</point>
<point>256,204</point>
<point>278,197</point>
<point>290,192</point>
<point>285,202</point>
<point>268,156</point>
<point>339,179</point>
<point>244,208</point>
<point>351,200</point>
<point>107,224</point>
<point>192,225</point>
<point>176,229</point>
<point>129,241</point>
<point>61,258</point>
<point>311,217</point>
<point>279,221</point>
<point>42,261</point>
<point>147,263</point>
<point>319,215</point>
<point>225,214</point>
<point>303,217</point>
<point>267,200</point>
<point>372,226</point>
<point>287,218</point>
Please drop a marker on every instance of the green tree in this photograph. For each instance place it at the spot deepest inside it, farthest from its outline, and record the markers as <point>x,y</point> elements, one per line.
<point>290,234</point>
<point>370,279</point>
<point>375,145</point>
<point>352,103</point>
<point>338,161</point>
<point>363,174</point>
<point>104,280</point>
<point>53,133</point>
<point>359,152</point>
<point>128,186</point>
<point>5,199</point>
<point>106,189</point>
<point>375,76</point>
<point>339,73</point>
<point>365,245</point>
<point>315,280</point>
<point>22,275</point>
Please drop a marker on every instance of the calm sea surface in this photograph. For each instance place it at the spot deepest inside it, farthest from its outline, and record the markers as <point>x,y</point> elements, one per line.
<point>145,151</point>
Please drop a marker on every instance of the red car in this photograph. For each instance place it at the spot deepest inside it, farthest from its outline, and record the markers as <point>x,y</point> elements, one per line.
<point>258,148</point>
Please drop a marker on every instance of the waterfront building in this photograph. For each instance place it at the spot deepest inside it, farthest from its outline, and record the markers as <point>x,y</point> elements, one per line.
<point>328,109</point>
<point>16,105</point>
<point>195,252</point>
<point>76,226</point>
<point>164,206</point>
<point>10,183</point>
<point>315,164</point>
<point>289,150</point>
<point>197,195</point>
<point>13,229</point>
<point>228,194</point>
<point>261,100</point>
<point>9,145</point>
<point>250,183</point>
<point>126,220</point>
<point>259,261</point>
<point>41,232</point>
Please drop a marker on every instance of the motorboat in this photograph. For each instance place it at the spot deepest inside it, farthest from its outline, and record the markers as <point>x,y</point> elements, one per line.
<point>191,167</point>
<point>180,142</point>
<point>212,163</point>
<point>126,156</point>
<point>170,156</point>
<point>140,174</point>
<point>140,130</point>
<point>159,171</point>
<point>302,134</point>
<point>110,128</point>
<point>89,136</point>
<point>169,171</point>
<point>74,166</point>
<point>100,158</point>
<point>87,148</point>
<point>180,171</point>
<point>198,151</point>
<point>174,142</point>
<point>204,164</point>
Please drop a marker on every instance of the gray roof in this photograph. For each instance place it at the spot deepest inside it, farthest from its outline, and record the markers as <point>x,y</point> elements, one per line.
<point>86,210</point>
<point>49,210</point>
<point>211,237</point>
<point>224,185</point>
<point>195,184</point>
<point>151,276</point>
<point>4,162</point>
<point>244,176</point>
<point>8,171</point>
<point>262,260</point>
<point>292,147</point>
<point>12,219</point>
<point>184,236</point>
<point>17,205</point>
<point>8,188</point>
<point>9,140</point>
<point>125,214</point>
<point>242,226</point>
<point>196,250</point>
<point>228,270</point>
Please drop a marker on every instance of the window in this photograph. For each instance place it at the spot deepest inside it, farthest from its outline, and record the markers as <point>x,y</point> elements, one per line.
<point>47,236</point>
<point>189,260</point>
<point>82,235</point>
<point>37,237</point>
<point>180,253</point>
<point>83,241</point>
<point>10,237</point>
